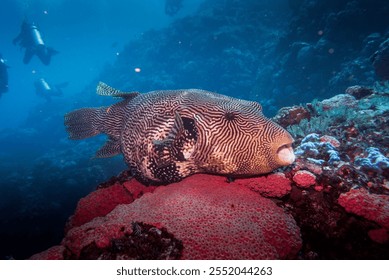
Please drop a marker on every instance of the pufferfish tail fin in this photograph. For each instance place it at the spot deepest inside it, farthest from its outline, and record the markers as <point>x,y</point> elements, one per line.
<point>88,122</point>
<point>82,123</point>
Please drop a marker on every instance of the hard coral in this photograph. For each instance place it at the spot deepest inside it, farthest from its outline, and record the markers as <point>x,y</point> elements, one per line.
<point>212,218</point>
<point>54,253</point>
<point>340,100</point>
<point>304,178</point>
<point>359,91</point>
<point>373,207</point>
<point>330,139</point>
<point>380,235</point>
<point>291,115</point>
<point>104,200</point>
<point>273,185</point>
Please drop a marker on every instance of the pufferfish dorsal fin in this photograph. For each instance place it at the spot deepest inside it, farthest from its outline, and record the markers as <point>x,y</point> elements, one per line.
<point>167,148</point>
<point>106,90</point>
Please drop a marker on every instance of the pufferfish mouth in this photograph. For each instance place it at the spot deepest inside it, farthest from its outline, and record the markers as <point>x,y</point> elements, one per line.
<point>285,154</point>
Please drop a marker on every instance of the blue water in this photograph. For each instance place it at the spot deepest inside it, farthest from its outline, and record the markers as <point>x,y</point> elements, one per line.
<point>280,53</point>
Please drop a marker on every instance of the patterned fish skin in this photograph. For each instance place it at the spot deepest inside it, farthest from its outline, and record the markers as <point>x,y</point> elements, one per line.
<point>170,134</point>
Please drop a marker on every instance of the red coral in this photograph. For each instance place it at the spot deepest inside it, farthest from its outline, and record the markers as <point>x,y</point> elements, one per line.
<point>380,235</point>
<point>273,185</point>
<point>103,201</point>
<point>54,253</point>
<point>213,219</point>
<point>329,139</point>
<point>374,207</point>
<point>304,178</point>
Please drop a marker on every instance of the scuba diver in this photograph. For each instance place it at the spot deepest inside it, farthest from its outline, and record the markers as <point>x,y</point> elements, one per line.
<point>43,89</point>
<point>3,76</point>
<point>172,7</point>
<point>30,38</point>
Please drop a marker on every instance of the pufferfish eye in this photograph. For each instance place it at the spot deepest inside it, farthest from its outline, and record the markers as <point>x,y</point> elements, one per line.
<point>230,116</point>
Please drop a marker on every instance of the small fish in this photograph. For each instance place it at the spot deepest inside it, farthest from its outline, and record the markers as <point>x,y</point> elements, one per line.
<point>168,135</point>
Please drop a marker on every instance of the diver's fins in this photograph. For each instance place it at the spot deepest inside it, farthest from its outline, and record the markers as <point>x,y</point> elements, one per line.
<point>52,51</point>
<point>27,56</point>
<point>62,85</point>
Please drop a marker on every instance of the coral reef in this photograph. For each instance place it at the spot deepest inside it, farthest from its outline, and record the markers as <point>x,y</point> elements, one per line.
<point>104,200</point>
<point>212,218</point>
<point>304,178</point>
<point>273,185</point>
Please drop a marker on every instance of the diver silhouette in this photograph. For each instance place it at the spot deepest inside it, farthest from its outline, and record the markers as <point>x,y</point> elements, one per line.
<point>30,38</point>
<point>43,89</point>
<point>172,7</point>
<point>3,76</point>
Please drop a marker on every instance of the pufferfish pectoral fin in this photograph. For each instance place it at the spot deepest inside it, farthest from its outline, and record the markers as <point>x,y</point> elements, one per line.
<point>168,149</point>
<point>111,148</point>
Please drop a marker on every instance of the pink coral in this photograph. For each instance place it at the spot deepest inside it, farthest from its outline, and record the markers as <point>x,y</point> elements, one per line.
<point>213,219</point>
<point>54,253</point>
<point>273,185</point>
<point>304,178</point>
<point>103,201</point>
<point>380,235</point>
<point>374,207</point>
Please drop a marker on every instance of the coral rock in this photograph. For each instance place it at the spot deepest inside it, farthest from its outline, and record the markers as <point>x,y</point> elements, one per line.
<point>213,219</point>
<point>359,92</point>
<point>329,139</point>
<point>379,235</point>
<point>291,115</point>
<point>373,207</point>
<point>54,253</point>
<point>304,178</point>
<point>340,100</point>
<point>103,201</point>
<point>273,185</point>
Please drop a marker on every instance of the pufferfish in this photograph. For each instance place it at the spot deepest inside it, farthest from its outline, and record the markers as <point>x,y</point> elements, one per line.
<point>168,135</point>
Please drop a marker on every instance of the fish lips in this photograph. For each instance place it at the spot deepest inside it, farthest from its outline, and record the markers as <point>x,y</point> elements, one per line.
<point>285,155</point>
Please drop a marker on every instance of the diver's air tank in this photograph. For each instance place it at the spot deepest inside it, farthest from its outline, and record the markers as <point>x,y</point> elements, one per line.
<point>43,85</point>
<point>36,35</point>
<point>3,76</point>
